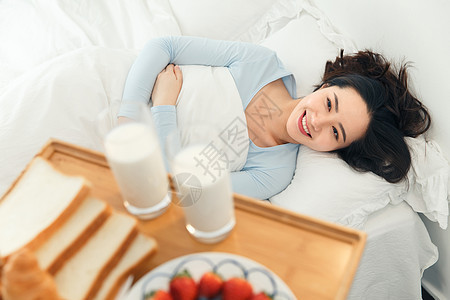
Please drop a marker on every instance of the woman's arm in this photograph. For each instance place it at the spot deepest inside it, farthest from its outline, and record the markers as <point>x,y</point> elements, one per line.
<point>179,50</point>
<point>261,183</point>
<point>165,93</point>
<point>166,90</point>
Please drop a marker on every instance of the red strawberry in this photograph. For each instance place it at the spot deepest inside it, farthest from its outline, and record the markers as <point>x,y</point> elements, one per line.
<point>158,295</point>
<point>261,296</point>
<point>237,289</point>
<point>183,287</point>
<point>210,285</point>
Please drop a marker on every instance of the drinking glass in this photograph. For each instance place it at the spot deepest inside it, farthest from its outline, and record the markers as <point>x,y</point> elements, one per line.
<point>201,180</point>
<point>134,155</point>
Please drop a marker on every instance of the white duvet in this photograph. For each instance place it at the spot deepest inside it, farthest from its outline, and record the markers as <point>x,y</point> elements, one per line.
<point>58,99</point>
<point>210,96</point>
<point>34,32</point>
<point>61,63</point>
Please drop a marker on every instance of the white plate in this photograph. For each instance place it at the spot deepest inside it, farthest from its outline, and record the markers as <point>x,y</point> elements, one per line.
<point>225,264</point>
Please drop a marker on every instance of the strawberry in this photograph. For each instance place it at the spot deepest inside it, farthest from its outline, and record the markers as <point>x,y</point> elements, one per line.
<point>183,287</point>
<point>261,296</point>
<point>209,285</point>
<point>158,295</point>
<point>236,289</point>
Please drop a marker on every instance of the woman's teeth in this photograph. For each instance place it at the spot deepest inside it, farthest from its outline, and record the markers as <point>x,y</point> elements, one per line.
<point>304,125</point>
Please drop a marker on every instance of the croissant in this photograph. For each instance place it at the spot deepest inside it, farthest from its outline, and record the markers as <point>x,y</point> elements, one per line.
<point>23,279</point>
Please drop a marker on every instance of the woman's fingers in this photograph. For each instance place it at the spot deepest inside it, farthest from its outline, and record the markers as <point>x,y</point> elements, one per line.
<point>175,69</point>
<point>169,67</point>
<point>178,73</point>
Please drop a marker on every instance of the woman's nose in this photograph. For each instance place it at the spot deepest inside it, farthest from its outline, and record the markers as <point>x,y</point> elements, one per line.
<point>319,121</point>
<point>316,122</point>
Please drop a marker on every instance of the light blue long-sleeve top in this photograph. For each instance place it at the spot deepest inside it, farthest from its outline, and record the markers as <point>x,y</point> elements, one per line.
<point>267,171</point>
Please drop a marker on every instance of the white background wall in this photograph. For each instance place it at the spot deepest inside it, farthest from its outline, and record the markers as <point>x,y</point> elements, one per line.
<point>417,31</point>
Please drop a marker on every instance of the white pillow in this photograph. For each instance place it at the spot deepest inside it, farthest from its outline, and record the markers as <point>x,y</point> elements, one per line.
<point>428,179</point>
<point>324,186</point>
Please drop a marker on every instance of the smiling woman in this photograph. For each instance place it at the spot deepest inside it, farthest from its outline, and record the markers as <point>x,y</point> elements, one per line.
<point>362,109</point>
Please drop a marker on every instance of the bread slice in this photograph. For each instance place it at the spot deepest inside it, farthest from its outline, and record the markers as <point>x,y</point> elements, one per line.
<point>72,235</point>
<point>37,204</point>
<point>141,249</point>
<point>82,275</point>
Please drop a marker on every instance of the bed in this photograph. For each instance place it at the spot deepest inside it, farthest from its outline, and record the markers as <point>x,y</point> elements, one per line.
<point>62,62</point>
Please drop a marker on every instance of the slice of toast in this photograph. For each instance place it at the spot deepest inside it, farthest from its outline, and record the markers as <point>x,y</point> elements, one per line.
<point>81,276</point>
<point>72,235</point>
<point>36,205</point>
<point>141,249</point>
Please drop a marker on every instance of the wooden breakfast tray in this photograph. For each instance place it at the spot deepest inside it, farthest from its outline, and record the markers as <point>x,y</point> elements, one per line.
<point>316,259</point>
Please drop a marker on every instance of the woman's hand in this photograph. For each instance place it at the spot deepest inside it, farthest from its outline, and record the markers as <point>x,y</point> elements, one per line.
<point>167,86</point>
<point>123,120</point>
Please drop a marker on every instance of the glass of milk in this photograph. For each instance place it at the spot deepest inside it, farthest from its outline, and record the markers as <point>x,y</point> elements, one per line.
<point>201,179</point>
<point>135,158</point>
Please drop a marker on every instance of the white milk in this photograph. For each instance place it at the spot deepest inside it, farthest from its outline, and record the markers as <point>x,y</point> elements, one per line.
<point>213,209</point>
<point>135,158</point>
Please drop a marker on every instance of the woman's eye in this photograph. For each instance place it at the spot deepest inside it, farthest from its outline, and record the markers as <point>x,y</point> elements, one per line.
<point>336,134</point>
<point>329,104</point>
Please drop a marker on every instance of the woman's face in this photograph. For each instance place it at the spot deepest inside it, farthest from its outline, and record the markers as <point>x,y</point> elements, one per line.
<point>329,119</point>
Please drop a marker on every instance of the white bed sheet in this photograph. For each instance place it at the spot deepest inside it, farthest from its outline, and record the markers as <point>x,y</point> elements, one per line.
<point>65,62</point>
<point>397,251</point>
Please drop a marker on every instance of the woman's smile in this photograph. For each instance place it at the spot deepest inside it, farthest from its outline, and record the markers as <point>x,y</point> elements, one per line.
<point>303,125</point>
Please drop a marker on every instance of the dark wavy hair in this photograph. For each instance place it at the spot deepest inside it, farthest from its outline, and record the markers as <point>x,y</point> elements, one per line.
<point>394,113</point>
